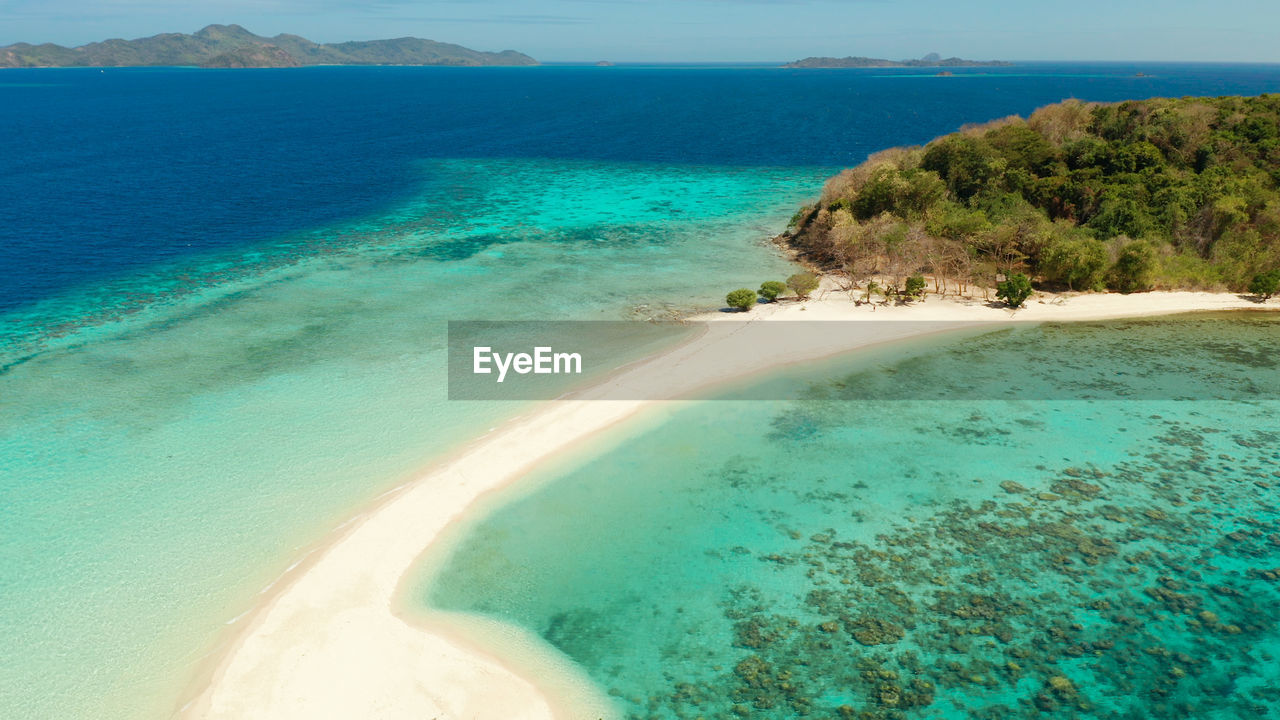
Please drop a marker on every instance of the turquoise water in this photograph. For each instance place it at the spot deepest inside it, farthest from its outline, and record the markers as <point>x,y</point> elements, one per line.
<point>171,443</point>
<point>972,532</point>
<point>223,297</point>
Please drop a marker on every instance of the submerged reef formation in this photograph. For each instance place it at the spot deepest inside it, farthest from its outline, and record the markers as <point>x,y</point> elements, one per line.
<point>1147,590</point>
<point>1058,521</point>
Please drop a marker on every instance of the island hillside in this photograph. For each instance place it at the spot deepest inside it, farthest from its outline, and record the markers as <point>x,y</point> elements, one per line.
<point>231,46</point>
<point>1153,194</point>
<point>932,60</point>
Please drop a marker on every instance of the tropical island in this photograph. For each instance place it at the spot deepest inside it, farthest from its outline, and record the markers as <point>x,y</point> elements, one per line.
<point>232,46</point>
<point>1168,194</point>
<point>338,638</point>
<point>932,60</point>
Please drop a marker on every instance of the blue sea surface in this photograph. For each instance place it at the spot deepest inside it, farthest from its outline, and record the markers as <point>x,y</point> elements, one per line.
<point>223,296</point>
<point>107,172</point>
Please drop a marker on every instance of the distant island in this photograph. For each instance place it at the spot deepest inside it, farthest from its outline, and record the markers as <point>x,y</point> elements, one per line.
<point>231,46</point>
<point>1155,194</point>
<point>931,60</point>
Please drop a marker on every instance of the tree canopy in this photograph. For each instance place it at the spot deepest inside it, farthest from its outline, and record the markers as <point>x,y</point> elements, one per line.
<point>741,299</point>
<point>802,284</point>
<point>1164,193</point>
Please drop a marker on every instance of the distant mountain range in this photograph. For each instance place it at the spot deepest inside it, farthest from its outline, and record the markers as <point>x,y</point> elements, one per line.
<point>931,60</point>
<point>231,46</point>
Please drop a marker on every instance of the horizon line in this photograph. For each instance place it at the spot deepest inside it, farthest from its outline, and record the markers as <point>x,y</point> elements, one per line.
<point>707,63</point>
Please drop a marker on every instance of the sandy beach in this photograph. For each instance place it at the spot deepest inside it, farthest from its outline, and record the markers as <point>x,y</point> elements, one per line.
<point>328,641</point>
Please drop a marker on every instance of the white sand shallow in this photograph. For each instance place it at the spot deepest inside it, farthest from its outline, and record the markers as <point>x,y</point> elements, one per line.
<point>328,642</point>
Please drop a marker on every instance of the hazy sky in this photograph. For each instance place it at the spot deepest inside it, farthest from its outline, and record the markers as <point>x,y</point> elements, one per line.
<point>705,30</point>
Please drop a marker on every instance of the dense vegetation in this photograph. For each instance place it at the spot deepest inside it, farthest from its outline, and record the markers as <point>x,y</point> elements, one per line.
<point>1166,193</point>
<point>233,46</point>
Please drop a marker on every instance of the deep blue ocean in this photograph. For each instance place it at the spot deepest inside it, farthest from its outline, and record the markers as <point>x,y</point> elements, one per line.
<point>107,172</point>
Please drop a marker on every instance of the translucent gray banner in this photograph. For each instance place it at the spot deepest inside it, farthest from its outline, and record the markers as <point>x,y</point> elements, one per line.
<point>1195,357</point>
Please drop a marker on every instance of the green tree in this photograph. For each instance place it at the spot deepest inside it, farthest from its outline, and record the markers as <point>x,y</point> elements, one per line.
<point>966,164</point>
<point>1080,263</point>
<point>771,289</point>
<point>802,284</point>
<point>958,222</point>
<point>1196,178</point>
<point>915,286</point>
<point>741,299</point>
<point>1121,214</point>
<point>924,189</point>
<point>1265,285</point>
<point>879,194</point>
<point>1014,290</point>
<point>1025,148</point>
<point>1135,268</point>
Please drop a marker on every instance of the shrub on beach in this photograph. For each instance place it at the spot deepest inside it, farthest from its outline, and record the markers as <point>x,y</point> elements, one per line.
<point>741,299</point>
<point>771,290</point>
<point>1266,284</point>
<point>1014,290</point>
<point>1135,268</point>
<point>1079,262</point>
<point>802,284</point>
<point>915,286</point>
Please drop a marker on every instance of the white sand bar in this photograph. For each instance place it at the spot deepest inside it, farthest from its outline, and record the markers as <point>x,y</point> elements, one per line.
<point>327,643</point>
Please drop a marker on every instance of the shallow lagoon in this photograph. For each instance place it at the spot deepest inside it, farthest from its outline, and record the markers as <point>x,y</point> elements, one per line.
<point>158,471</point>
<point>904,541</point>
